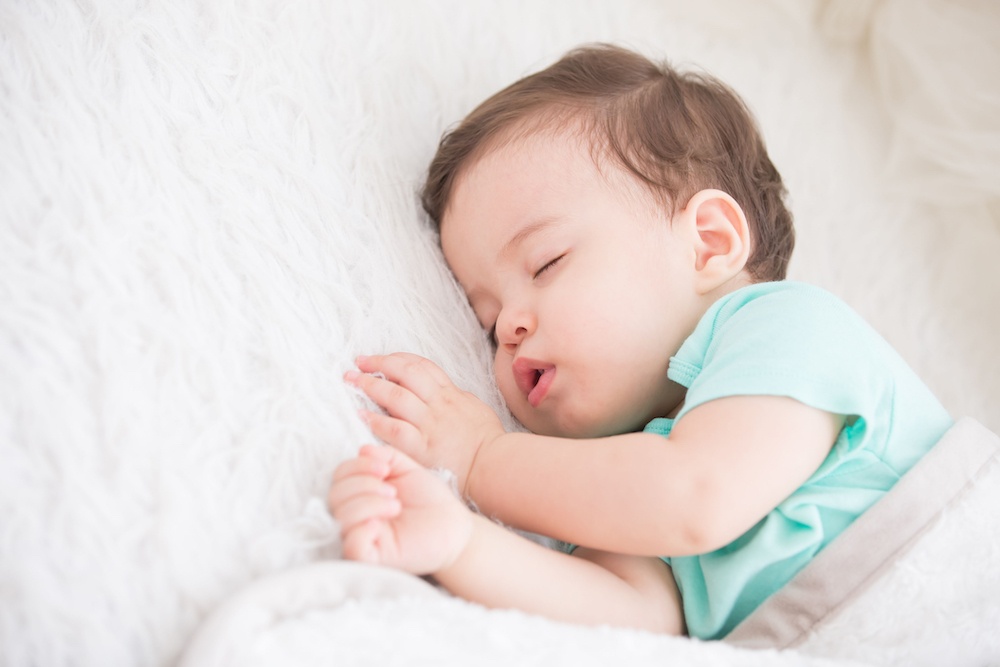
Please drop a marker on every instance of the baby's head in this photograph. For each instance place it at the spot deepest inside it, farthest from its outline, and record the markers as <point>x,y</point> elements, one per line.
<point>592,212</point>
<point>674,132</point>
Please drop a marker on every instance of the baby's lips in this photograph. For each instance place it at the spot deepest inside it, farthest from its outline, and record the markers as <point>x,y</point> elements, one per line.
<point>527,372</point>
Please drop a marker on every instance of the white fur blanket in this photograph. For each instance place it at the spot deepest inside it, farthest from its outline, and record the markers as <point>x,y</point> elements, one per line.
<point>207,210</point>
<point>899,577</point>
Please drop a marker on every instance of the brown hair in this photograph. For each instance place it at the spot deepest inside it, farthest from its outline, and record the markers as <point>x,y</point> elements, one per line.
<point>677,132</point>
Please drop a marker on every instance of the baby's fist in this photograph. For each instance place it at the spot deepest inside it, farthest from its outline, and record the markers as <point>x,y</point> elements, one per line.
<point>396,513</point>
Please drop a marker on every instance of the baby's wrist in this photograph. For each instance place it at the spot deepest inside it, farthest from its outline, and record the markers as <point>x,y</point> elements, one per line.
<point>468,491</point>
<point>456,567</point>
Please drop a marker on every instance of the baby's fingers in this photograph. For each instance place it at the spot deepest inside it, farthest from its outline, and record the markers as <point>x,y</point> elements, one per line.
<point>347,488</point>
<point>401,434</point>
<point>372,542</point>
<point>371,460</point>
<point>421,376</point>
<point>397,400</point>
<point>361,542</point>
<point>356,510</point>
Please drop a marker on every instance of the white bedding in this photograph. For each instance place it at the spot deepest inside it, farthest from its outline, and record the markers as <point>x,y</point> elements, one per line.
<point>899,578</point>
<point>207,210</point>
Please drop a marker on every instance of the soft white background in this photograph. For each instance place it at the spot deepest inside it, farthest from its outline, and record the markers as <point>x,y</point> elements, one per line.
<point>207,209</point>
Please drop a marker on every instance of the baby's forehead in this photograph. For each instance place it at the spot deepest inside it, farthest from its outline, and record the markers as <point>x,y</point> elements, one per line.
<point>544,148</point>
<point>553,159</point>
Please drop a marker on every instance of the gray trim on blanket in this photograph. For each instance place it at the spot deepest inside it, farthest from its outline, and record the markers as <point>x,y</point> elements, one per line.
<point>874,541</point>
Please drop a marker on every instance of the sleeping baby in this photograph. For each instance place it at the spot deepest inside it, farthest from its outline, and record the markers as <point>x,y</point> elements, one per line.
<point>699,427</point>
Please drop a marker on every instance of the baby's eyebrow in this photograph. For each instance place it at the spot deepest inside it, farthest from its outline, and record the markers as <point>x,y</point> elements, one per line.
<point>525,233</point>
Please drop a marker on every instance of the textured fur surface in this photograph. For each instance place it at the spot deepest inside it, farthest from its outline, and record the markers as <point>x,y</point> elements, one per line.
<point>207,209</point>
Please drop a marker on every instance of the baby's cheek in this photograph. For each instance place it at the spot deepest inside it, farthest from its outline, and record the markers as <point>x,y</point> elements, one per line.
<point>512,396</point>
<point>506,384</point>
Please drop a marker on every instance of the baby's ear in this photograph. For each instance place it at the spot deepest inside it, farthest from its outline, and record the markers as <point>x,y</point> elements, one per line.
<point>721,238</point>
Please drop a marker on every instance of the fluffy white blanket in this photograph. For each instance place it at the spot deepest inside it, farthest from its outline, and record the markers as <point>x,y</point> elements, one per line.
<point>907,578</point>
<point>207,210</point>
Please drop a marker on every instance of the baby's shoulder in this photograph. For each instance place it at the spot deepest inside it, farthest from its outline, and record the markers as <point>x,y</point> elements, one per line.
<point>784,306</point>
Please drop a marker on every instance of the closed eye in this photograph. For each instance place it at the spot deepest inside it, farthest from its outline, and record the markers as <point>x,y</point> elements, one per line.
<point>548,266</point>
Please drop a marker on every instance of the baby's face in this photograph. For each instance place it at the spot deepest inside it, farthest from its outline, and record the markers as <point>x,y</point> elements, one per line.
<point>579,274</point>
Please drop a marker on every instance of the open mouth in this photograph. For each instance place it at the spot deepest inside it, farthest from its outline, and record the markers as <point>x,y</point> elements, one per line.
<point>533,378</point>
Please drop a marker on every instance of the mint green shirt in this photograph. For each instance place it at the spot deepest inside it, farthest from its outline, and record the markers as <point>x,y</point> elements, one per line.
<point>794,340</point>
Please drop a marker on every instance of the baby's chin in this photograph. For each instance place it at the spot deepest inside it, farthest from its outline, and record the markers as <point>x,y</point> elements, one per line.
<point>567,427</point>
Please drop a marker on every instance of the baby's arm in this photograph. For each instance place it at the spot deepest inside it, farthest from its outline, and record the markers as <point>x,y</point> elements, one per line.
<point>394,512</point>
<point>502,570</point>
<point>726,464</point>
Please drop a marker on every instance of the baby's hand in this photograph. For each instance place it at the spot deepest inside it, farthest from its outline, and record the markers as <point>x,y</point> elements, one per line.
<point>429,418</point>
<point>396,513</point>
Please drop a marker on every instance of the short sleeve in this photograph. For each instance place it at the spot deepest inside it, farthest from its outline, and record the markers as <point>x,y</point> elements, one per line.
<point>785,339</point>
<point>794,340</point>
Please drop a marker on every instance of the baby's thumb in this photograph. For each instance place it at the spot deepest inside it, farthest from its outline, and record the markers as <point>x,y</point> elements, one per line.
<point>399,462</point>
<point>361,543</point>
